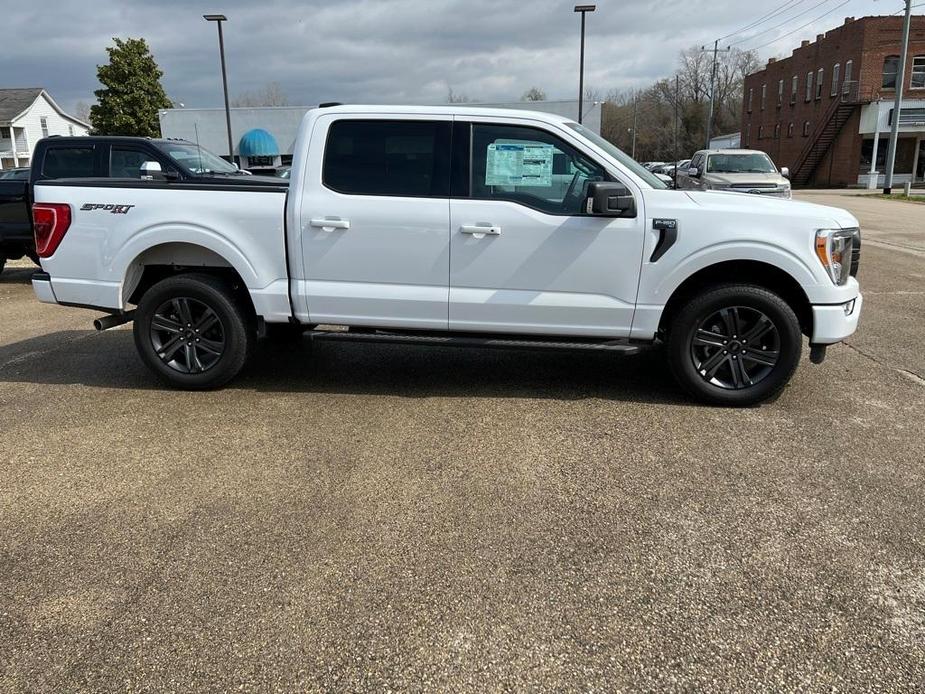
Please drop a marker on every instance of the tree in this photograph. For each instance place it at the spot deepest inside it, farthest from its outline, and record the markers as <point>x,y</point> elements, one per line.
<point>534,94</point>
<point>271,94</point>
<point>82,111</point>
<point>657,106</point>
<point>132,93</point>
<point>454,98</point>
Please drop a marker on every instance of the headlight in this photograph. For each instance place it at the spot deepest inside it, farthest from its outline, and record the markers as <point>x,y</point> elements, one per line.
<point>834,246</point>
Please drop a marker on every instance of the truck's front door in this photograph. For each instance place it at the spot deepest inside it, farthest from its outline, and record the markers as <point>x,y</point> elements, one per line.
<point>525,257</point>
<point>375,221</point>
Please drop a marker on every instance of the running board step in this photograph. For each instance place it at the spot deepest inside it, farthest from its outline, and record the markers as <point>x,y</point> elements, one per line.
<point>492,342</point>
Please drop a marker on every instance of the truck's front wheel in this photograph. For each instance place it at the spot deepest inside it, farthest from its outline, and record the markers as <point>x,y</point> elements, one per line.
<point>734,345</point>
<point>192,331</point>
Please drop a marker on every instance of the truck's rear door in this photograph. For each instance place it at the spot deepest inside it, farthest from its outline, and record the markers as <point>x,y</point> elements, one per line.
<point>374,221</point>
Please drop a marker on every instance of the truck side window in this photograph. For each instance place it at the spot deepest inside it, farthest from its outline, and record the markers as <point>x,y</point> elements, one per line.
<point>69,162</point>
<point>125,162</point>
<point>531,167</point>
<point>397,158</point>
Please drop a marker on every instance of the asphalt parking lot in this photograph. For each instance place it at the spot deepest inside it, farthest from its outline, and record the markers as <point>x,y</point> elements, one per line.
<point>369,517</point>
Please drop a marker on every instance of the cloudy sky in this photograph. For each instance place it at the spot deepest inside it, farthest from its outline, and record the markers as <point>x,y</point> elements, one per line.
<point>390,51</point>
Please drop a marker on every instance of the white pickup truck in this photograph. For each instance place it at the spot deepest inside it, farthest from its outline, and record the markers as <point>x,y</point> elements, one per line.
<point>455,226</point>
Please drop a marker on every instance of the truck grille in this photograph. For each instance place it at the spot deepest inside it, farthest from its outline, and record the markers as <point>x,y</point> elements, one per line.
<point>856,253</point>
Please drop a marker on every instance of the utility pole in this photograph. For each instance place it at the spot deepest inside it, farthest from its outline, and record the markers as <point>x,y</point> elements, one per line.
<point>897,102</point>
<point>635,104</point>
<point>677,108</point>
<point>712,88</point>
<point>583,10</point>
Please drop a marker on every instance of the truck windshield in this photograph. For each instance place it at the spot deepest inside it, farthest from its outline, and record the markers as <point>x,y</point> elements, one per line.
<point>619,155</point>
<point>196,160</point>
<point>754,162</point>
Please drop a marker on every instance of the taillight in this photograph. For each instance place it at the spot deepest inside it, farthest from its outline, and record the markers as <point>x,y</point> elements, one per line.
<point>50,221</point>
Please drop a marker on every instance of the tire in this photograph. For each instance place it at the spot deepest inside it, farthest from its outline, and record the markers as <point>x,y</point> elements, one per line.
<point>182,354</point>
<point>34,257</point>
<point>2,264</point>
<point>708,349</point>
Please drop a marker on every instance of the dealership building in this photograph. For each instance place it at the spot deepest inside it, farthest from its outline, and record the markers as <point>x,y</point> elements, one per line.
<point>265,136</point>
<point>826,111</point>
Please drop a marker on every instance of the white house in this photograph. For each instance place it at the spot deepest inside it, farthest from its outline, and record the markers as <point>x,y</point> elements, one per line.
<point>26,116</point>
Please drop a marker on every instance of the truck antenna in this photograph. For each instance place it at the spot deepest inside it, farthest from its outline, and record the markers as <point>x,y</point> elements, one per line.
<point>198,148</point>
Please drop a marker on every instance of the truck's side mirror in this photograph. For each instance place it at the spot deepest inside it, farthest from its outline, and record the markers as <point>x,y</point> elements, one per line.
<point>693,172</point>
<point>610,199</point>
<point>785,172</point>
<point>151,171</point>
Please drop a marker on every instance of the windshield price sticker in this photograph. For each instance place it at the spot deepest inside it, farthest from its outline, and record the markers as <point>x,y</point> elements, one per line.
<point>519,165</point>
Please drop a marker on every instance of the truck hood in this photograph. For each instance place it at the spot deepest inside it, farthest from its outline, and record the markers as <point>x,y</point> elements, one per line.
<point>738,204</point>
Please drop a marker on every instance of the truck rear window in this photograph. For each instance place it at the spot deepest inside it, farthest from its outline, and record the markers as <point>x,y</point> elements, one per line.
<point>398,158</point>
<point>68,162</point>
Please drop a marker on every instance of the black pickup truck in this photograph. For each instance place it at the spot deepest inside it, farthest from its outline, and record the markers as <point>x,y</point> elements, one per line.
<point>106,157</point>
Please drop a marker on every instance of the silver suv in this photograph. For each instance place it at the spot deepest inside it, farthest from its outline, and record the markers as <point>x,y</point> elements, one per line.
<point>735,171</point>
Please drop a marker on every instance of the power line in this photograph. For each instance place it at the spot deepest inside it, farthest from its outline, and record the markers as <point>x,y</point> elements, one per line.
<point>837,7</point>
<point>762,18</point>
<point>778,26</point>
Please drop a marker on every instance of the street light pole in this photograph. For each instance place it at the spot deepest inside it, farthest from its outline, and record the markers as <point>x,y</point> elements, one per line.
<point>582,9</point>
<point>897,103</point>
<point>218,19</point>
<point>712,88</point>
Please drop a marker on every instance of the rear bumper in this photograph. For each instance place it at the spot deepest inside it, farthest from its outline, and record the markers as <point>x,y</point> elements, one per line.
<point>833,323</point>
<point>41,285</point>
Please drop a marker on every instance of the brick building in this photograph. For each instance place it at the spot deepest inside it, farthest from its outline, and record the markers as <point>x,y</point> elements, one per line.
<point>820,111</point>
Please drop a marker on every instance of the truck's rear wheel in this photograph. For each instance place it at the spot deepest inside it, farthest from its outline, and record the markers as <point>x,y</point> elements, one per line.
<point>192,331</point>
<point>734,345</point>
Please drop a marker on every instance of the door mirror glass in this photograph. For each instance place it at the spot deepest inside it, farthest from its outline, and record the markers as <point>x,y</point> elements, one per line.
<point>785,172</point>
<point>608,199</point>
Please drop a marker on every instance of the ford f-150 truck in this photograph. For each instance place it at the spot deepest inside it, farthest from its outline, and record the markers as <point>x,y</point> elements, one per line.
<point>100,157</point>
<point>456,226</point>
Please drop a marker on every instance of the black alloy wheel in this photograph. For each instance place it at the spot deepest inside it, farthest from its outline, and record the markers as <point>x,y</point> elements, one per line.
<point>187,335</point>
<point>734,344</point>
<point>736,347</point>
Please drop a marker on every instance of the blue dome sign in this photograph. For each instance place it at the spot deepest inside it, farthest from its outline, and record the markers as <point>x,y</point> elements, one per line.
<point>258,143</point>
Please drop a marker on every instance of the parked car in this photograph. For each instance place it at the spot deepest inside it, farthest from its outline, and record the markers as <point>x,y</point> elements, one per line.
<point>737,171</point>
<point>135,158</point>
<point>652,164</point>
<point>19,174</point>
<point>284,171</point>
<point>458,226</point>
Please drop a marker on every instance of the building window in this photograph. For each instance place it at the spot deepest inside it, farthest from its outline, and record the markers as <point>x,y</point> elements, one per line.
<point>780,92</point>
<point>777,131</point>
<point>760,131</point>
<point>848,70</point>
<point>820,76</point>
<point>70,130</point>
<point>835,72</point>
<point>764,95</point>
<point>748,133</point>
<point>806,128</point>
<point>918,72</point>
<point>790,129</point>
<point>751,93</point>
<point>890,68</point>
<point>809,86</point>
<point>44,121</point>
<point>794,88</point>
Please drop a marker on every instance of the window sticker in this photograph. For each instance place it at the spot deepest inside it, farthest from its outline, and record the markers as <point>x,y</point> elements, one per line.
<point>519,164</point>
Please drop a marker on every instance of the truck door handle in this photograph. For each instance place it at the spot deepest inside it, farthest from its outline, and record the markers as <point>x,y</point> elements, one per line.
<point>476,229</point>
<point>330,224</point>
